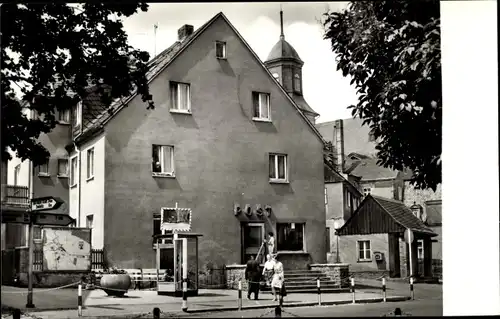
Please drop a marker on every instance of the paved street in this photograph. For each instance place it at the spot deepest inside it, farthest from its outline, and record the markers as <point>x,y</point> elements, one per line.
<point>414,308</point>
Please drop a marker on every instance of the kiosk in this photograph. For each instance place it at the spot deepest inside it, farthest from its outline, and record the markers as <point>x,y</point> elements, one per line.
<point>185,246</point>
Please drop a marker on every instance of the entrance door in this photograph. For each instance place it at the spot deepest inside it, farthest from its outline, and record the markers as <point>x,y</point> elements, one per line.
<point>252,239</point>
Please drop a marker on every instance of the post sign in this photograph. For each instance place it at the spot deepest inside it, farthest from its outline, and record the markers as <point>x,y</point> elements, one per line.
<point>45,203</point>
<point>10,217</point>
<point>52,219</point>
<point>178,219</point>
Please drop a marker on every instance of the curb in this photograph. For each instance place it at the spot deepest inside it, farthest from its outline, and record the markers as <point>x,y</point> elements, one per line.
<point>302,304</point>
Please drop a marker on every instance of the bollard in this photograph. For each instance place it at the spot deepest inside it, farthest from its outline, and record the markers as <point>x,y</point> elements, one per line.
<point>353,292</point>
<point>319,292</point>
<point>156,313</point>
<point>16,314</point>
<point>239,295</point>
<point>80,301</point>
<point>411,289</point>
<point>383,290</point>
<point>184,294</point>
<point>277,312</point>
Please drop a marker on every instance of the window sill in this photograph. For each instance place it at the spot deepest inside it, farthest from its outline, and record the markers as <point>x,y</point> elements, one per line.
<point>62,176</point>
<point>364,260</point>
<point>260,119</point>
<point>164,175</point>
<point>292,252</point>
<point>91,178</point>
<point>43,175</point>
<point>63,123</point>
<point>279,181</point>
<point>221,58</point>
<point>180,112</point>
<point>74,185</point>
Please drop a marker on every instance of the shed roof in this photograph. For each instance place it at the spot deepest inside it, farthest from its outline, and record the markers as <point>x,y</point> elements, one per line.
<point>379,215</point>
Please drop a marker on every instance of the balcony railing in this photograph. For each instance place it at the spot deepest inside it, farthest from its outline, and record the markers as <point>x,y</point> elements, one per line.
<point>15,195</point>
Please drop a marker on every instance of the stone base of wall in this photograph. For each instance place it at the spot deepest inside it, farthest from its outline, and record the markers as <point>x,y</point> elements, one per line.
<point>53,279</point>
<point>234,273</point>
<point>338,273</point>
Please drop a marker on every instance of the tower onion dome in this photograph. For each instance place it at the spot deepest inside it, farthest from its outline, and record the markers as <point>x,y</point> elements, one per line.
<point>283,50</point>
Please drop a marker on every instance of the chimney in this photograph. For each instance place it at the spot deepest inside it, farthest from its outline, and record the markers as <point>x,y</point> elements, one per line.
<point>339,144</point>
<point>184,32</point>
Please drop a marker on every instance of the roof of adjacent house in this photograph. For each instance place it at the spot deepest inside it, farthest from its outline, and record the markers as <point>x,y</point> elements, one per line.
<point>368,169</point>
<point>402,214</point>
<point>102,114</point>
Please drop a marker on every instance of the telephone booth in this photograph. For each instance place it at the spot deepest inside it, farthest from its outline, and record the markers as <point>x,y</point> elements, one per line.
<point>185,251</point>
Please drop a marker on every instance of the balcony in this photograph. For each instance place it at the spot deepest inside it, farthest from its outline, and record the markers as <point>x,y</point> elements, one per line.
<point>16,196</point>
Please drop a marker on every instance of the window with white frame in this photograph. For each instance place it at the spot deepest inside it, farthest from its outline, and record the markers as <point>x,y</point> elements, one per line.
<point>73,176</point>
<point>62,167</point>
<point>43,169</point>
<point>364,250</point>
<point>290,236</point>
<point>180,97</point>
<point>90,221</point>
<point>17,173</point>
<point>420,249</point>
<point>163,160</point>
<point>220,49</point>
<point>77,114</point>
<point>278,167</point>
<point>64,116</point>
<point>296,82</point>
<point>261,106</point>
<point>90,163</point>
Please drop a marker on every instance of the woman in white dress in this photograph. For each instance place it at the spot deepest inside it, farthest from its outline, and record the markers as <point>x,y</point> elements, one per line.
<point>267,272</point>
<point>278,277</point>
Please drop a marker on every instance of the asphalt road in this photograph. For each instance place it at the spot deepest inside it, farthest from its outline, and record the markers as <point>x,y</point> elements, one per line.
<point>433,307</point>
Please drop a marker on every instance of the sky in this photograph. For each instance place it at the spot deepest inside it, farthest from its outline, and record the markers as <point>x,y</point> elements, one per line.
<point>325,89</point>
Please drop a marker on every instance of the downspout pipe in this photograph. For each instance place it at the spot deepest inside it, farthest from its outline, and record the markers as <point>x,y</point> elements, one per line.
<point>78,151</point>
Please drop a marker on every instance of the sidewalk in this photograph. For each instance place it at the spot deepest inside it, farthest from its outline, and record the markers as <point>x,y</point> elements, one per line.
<point>137,303</point>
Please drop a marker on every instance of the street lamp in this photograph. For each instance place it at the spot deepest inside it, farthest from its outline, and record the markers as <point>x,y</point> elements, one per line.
<point>336,225</point>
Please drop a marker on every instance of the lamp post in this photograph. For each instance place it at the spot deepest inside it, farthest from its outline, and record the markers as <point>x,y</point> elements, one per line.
<point>336,225</point>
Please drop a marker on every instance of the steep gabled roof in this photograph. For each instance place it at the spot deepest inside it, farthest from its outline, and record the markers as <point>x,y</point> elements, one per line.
<point>368,169</point>
<point>159,63</point>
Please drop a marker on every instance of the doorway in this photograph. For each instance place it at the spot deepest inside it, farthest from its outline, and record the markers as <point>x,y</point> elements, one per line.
<point>252,238</point>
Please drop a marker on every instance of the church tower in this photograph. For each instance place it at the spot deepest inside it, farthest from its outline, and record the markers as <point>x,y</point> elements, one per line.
<point>285,65</point>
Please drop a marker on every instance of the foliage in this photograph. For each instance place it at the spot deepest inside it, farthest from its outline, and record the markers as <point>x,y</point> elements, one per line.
<point>391,51</point>
<point>52,53</point>
<point>113,271</point>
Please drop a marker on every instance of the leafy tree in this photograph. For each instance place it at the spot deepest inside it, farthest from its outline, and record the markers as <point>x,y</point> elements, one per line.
<point>391,51</point>
<point>52,53</point>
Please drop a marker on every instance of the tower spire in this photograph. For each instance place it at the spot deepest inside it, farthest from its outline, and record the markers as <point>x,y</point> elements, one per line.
<point>282,36</point>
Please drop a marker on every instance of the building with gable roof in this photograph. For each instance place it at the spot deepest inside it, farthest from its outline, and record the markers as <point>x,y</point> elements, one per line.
<point>222,141</point>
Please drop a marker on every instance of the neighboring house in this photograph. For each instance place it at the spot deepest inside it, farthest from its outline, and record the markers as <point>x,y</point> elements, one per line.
<point>227,136</point>
<point>342,198</point>
<point>372,240</point>
<point>48,179</point>
<point>427,205</point>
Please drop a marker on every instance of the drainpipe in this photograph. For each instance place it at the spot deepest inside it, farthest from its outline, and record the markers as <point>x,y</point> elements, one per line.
<point>79,183</point>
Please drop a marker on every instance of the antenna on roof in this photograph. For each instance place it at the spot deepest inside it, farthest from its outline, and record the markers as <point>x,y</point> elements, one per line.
<point>282,36</point>
<point>155,27</point>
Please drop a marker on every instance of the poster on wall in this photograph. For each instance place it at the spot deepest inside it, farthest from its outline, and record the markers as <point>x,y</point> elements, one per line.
<point>66,248</point>
<point>178,219</point>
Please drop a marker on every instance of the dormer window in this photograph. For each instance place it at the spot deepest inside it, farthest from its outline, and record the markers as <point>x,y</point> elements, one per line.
<point>296,82</point>
<point>220,49</point>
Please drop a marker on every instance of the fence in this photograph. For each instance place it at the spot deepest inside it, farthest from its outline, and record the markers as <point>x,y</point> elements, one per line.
<point>97,259</point>
<point>212,279</point>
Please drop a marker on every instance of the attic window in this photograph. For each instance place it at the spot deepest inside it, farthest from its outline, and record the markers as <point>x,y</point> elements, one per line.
<point>296,82</point>
<point>367,191</point>
<point>220,49</point>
